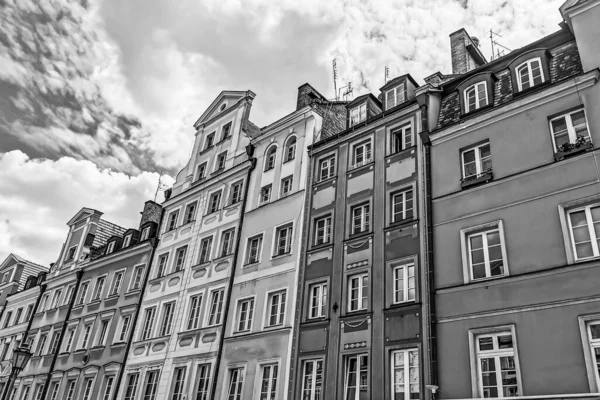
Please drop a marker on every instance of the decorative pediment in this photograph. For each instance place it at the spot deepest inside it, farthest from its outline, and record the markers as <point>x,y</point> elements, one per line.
<point>83,214</point>
<point>222,103</point>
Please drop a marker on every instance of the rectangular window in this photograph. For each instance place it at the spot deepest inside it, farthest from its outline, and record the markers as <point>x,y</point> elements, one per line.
<point>203,379</point>
<point>178,383</point>
<point>7,320</point>
<point>56,298</point>
<point>356,376</point>
<point>290,150</point>
<point>54,391</point>
<point>138,273</point>
<point>180,258</point>
<point>236,380</point>
<point>167,318</point>
<point>358,114</point>
<point>227,242</point>
<point>38,391</point>
<point>326,168</point>
<point>486,259</point>
<point>172,223</point>
<point>69,295</point>
<point>18,316</point>
<point>529,74</point>
<point>283,239</point>
<point>312,380</point>
<point>358,288</point>
<point>85,340</point>
<point>317,300</point>
<point>145,234</point>
<point>265,194</point>
<point>151,385</point>
<point>194,312</point>
<point>276,304</point>
<point>108,387</point>
<point>148,323</point>
<point>126,241</point>
<point>394,97</point>
<point>131,388</point>
<point>268,387</point>
<point>402,205</point>
<point>111,247</point>
<point>584,229</point>
<point>496,367</point>
<point>125,322</point>
<point>226,131</point>
<point>476,97</point>
<point>29,312</point>
<point>271,157</point>
<point>162,265</point>
<point>87,388</point>
<point>54,342</point>
<point>209,141</point>
<point>190,212</point>
<point>360,218</point>
<point>70,336</point>
<point>404,283</point>
<point>101,341</point>
<point>117,283</point>
<point>254,248</point>
<point>83,292</point>
<point>245,312</point>
<point>593,334</point>
<point>322,230</point>
<point>569,130</point>
<point>41,344</point>
<point>405,374</point>
<point>401,138</point>
<point>286,186</point>
<point>216,307</point>
<point>215,202</point>
<point>44,302</point>
<point>25,392</point>
<point>361,154</point>
<point>201,171</point>
<point>71,254</point>
<point>476,161</point>
<point>99,287</point>
<point>70,392</point>
<point>221,158</point>
<point>236,192</point>
<point>205,248</point>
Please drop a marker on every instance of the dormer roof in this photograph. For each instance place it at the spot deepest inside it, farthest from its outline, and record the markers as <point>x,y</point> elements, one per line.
<point>82,214</point>
<point>396,81</point>
<point>361,99</point>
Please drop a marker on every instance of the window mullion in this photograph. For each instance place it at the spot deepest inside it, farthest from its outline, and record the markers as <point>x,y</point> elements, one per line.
<point>406,372</point>
<point>478,167</point>
<point>486,256</point>
<point>570,128</point>
<point>590,225</point>
<point>498,376</point>
<point>405,284</point>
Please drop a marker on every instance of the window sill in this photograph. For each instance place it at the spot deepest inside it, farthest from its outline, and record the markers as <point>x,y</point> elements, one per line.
<point>94,302</point>
<point>215,260</point>
<point>97,347</point>
<point>488,278</point>
<point>199,181</point>
<point>232,205</point>
<point>132,292</point>
<point>325,180</point>
<point>282,255</point>
<point>534,88</point>
<point>201,265</point>
<point>359,234</point>
<point>78,351</point>
<point>321,246</point>
<point>78,306</point>
<point>561,155</point>
<point>476,111</point>
<point>170,230</point>
<point>268,169</point>
<point>118,344</point>
<point>217,172</point>
<point>361,165</point>
<point>403,222</point>
<point>250,264</point>
<point>406,150</point>
<point>207,149</point>
<point>287,161</point>
<point>402,304</point>
<point>484,177</point>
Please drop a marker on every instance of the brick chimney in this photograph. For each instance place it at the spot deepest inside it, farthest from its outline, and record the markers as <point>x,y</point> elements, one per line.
<point>466,54</point>
<point>152,212</point>
<point>306,95</point>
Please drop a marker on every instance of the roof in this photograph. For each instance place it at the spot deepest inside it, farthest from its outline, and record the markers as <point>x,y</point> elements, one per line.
<point>362,98</point>
<point>105,231</point>
<point>81,213</point>
<point>397,80</point>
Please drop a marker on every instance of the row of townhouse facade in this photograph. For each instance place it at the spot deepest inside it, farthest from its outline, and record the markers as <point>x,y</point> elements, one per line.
<point>433,241</point>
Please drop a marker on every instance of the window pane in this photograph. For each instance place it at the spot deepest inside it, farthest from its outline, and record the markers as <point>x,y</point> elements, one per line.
<point>595,331</point>
<point>505,342</point>
<point>486,343</point>
<point>559,125</point>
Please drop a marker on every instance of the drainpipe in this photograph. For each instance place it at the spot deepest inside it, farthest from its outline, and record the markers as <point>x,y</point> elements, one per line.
<point>250,152</point>
<point>431,320</point>
<point>62,334</point>
<point>154,242</point>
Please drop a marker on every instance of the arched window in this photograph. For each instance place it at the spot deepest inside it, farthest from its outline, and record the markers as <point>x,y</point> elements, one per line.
<point>290,149</point>
<point>530,73</point>
<point>270,158</point>
<point>476,96</point>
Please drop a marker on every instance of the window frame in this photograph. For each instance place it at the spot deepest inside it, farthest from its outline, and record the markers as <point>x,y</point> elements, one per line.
<point>239,186</point>
<point>204,256</point>
<point>404,264</point>
<point>220,157</point>
<point>359,112</point>
<point>123,328</point>
<point>189,214</point>
<point>327,162</point>
<point>218,311</point>
<point>406,350</point>
<point>591,231</point>
<point>392,197</point>
<point>366,217</point>
<point>395,91</point>
<point>176,265</point>
<point>244,326</point>
<point>284,181</point>
<point>202,369</point>
<point>267,189</point>
<point>327,229</point>
<point>204,167</point>
<point>147,323</point>
<point>167,317</point>
<point>367,145</point>
<point>110,247</point>
<point>312,390</point>
<point>322,299</point>
<point>178,383</point>
<point>402,127</point>
<point>270,158</point>
<point>83,291</point>
<point>248,249</point>
<point>99,289</point>
<point>289,239</point>
<point>527,63</point>
<point>117,290</point>
<point>172,221</point>
<point>476,148</point>
<point>571,133</point>
<point>238,394</point>
<point>209,140</point>
<point>585,321</point>
<point>474,88</point>
<point>357,374</point>
<point>193,315</point>
<point>290,143</point>
<point>226,130</point>
<point>273,378</point>
<point>126,241</point>
<point>282,308</point>
<point>212,206</point>
<point>361,292</point>
<point>231,233</point>
<point>145,235</point>
<point>161,269</point>
<point>142,275</point>
<point>465,246</point>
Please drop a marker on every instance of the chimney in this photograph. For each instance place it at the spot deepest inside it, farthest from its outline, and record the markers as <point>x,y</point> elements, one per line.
<point>152,212</point>
<point>466,54</point>
<point>307,95</point>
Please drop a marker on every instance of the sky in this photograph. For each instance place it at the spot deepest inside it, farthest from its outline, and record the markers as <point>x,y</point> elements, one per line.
<point>98,97</point>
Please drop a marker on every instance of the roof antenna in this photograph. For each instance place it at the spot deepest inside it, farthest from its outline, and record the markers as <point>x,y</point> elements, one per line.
<point>387,74</point>
<point>348,91</point>
<point>334,80</point>
<point>161,186</point>
<point>494,41</point>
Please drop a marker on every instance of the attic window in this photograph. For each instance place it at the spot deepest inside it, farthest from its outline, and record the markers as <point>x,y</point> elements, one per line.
<point>530,73</point>
<point>145,233</point>
<point>110,248</point>
<point>394,96</point>
<point>127,241</point>
<point>222,106</point>
<point>529,70</point>
<point>476,96</point>
<point>358,114</point>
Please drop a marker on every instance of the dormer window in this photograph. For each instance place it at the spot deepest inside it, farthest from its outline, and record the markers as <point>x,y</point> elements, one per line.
<point>110,248</point>
<point>127,241</point>
<point>145,233</point>
<point>358,114</point>
<point>394,97</point>
<point>476,97</point>
<point>529,74</point>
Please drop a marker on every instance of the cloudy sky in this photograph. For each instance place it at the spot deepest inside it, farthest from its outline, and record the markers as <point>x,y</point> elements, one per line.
<point>97,97</point>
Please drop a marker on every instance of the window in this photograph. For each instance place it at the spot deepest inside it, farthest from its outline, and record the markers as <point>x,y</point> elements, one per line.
<point>360,218</point>
<point>358,114</point>
<point>215,202</point>
<point>190,212</point>
<point>290,150</point>
<point>356,376</point>
<point>56,298</point>
<point>125,322</point>
<point>312,380</point>
<point>205,248</point>
<point>54,391</point>
<point>70,389</point>
<point>226,131</point>
<point>322,230</point>
<point>485,253</point>
<point>236,380</point>
<point>29,312</point>
<point>593,337</point>
<point>25,392</point>
<point>265,194</point>
<point>138,273</point>
<point>284,240</point>
<point>178,383</point>
<point>7,320</point>
<point>148,323</point>
<point>569,130</point>
<point>70,336</point>
<point>254,248</point>
<point>276,304</point>
<point>209,141</point>
<point>529,74</point>
<point>131,388</point>
<point>358,297</point>
<point>286,186</point>
<point>476,161</point>
<point>167,318</point>
<point>38,391</point>
<point>41,344</point>
<point>405,374</point>
<point>221,158</point>
<point>172,224</point>
<point>203,379</point>
<point>83,292</point>
<point>85,340</point>
<point>496,368</point>
<point>71,254</point>
<point>401,138</point>
<point>111,247</point>
<point>268,387</point>
<point>476,97</point>
<point>101,340</point>
<point>402,205</point>
<point>44,302</point>
<point>361,154</point>
<point>194,313</point>
<point>180,258</point>
<point>162,265</point>
<point>270,158</point>
<point>216,307</point>
<point>394,97</point>
<point>54,342</point>
<point>326,168</point>
<point>69,295</point>
<point>201,171</point>
<point>99,287</point>
<point>117,283</point>
<point>584,229</point>
<point>227,242</point>
<point>151,385</point>
<point>317,300</point>
<point>108,387</point>
<point>145,234</point>
<point>236,193</point>
<point>404,282</point>
<point>245,311</point>
<point>126,241</point>
<point>18,316</point>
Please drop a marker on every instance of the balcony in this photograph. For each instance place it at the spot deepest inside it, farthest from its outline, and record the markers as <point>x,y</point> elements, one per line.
<point>476,179</point>
<point>565,150</point>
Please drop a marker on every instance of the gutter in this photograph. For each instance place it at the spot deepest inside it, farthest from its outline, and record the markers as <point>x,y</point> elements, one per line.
<point>250,152</point>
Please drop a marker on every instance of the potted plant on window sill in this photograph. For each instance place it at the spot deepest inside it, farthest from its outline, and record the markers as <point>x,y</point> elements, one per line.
<point>581,144</point>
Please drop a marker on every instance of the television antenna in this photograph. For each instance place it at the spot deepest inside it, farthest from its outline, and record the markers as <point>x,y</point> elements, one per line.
<point>387,74</point>
<point>335,79</point>
<point>348,92</point>
<point>499,49</point>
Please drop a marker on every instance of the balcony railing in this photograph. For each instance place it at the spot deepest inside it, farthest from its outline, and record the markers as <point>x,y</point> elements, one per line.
<point>482,177</point>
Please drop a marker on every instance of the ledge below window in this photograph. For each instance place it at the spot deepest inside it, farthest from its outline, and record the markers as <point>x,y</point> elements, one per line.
<point>561,155</point>
<point>478,179</point>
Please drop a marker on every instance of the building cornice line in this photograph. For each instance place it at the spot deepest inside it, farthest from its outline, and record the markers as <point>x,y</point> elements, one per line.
<point>289,119</point>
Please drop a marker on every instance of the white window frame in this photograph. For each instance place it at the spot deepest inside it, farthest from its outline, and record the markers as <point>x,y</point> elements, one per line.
<point>116,286</point>
<point>70,336</point>
<point>478,160</point>
<point>145,234</point>
<point>475,87</point>
<point>394,91</point>
<point>588,344</point>
<point>212,135</point>
<point>401,130</point>
<point>131,383</point>
<point>111,247</point>
<point>466,247</point>
<point>312,390</point>
<point>101,336</point>
<point>273,379</point>
<point>281,312</point>
<point>406,367</point>
<point>403,213</point>
<point>527,64</point>
<point>218,311</point>
<point>290,143</point>
<point>245,325</point>
<point>358,114</point>
<point>86,335</point>
<point>239,188</point>
<point>364,216</point>
<point>167,317</point>
<point>99,289</point>
<point>327,229</point>
<point>221,156</point>
<point>161,269</point>
<point>55,298</point>
<point>82,292</point>
<point>239,390</point>
<point>367,153</point>
<point>126,240</point>
<point>186,213</point>
<point>153,388</point>
<point>202,392</point>
<point>172,221</point>
<point>357,375</point>
<point>225,251</point>
<point>109,381</point>
<point>590,225</point>
<point>204,167</point>
<point>193,316</point>
<point>290,187</point>
<point>571,132</point>
<point>217,194</point>
<point>182,392</point>
<point>205,257</point>
<point>147,328</point>
<point>178,251</point>
<point>289,239</point>
<point>247,250</point>
<point>123,328</point>
<point>139,267</point>
<point>403,268</point>
<point>327,163</point>
<point>320,301</point>
<point>360,291</point>
<point>268,190</point>
<point>271,151</point>
<point>70,257</point>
